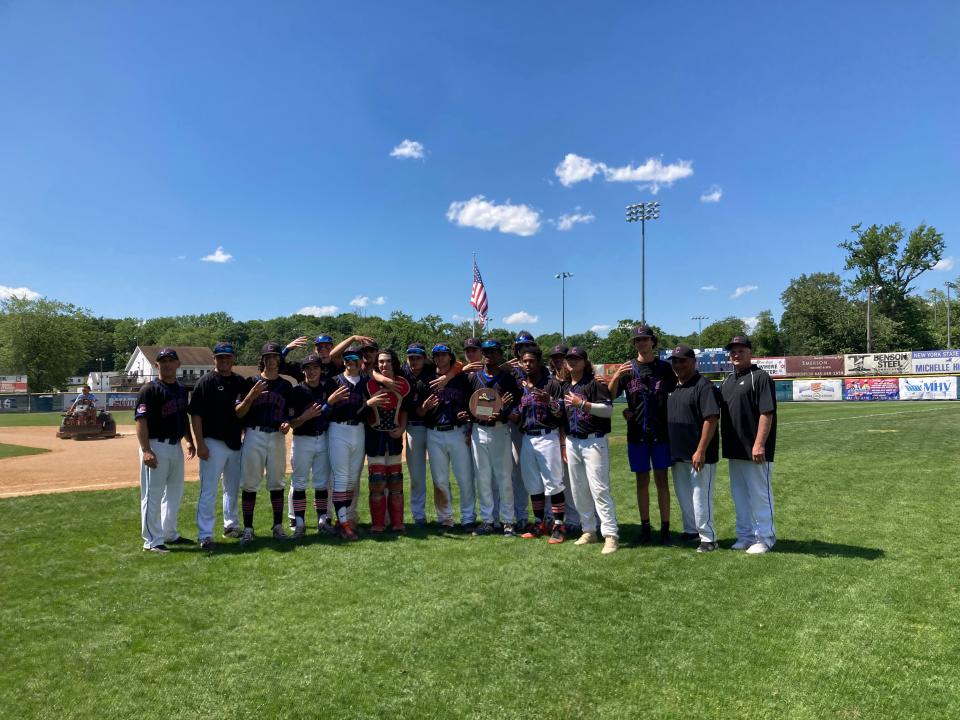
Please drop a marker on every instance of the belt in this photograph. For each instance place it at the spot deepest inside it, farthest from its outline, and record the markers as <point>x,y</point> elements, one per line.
<point>535,433</point>
<point>265,429</point>
<point>444,428</point>
<point>346,422</point>
<point>487,424</point>
<point>415,423</point>
<point>586,436</point>
<point>313,434</point>
<point>171,441</point>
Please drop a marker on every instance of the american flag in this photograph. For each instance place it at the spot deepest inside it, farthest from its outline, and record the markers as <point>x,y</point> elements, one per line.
<point>478,296</point>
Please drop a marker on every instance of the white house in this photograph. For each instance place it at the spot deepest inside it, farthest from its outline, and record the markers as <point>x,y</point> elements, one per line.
<point>141,368</point>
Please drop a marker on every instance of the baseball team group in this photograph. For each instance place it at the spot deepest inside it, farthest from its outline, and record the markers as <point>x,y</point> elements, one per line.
<point>525,439</point>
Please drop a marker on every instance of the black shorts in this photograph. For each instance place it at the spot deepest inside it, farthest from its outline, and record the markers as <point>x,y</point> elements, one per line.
<point>378,443</point>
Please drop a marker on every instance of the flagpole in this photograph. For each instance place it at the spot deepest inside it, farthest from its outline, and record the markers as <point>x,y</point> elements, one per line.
<point>473,325</point>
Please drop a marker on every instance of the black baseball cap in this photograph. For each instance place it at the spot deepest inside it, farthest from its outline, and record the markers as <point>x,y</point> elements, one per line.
<point>271,348</point>
<point>643,331</point>
<point>683,351</point>
<point>559,350</point>
<point>577,352</point>
<point>224,348</point>
<point>372,345</point>
<point>739,340</point>
<point>167,352</point>
<point>471,342</point>
<point>311,359</point>
<point>351,353</point>
<point>416,349</point>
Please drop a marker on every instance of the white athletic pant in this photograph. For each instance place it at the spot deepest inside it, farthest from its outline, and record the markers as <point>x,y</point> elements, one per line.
<point>309,463</point>
<point>571,517</point>
<point>416,442</point>
<point>493,464</point>
<point>520,498</point>
<point>695,496</point>
<point>346,451</point>
<point>541,464</point>
<point>449,448</point>
<point>752,491</point>
<point>222,461</point>
<point>262,452</point>
<point>160,491</point>
<point>589,463</point>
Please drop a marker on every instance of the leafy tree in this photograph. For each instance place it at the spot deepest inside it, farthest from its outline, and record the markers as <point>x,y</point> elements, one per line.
<point>719,333</point>
<point>817,317</point>
<point>766,336</point>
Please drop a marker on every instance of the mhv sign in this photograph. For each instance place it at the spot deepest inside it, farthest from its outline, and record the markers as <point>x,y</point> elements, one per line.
<point>928,388</point>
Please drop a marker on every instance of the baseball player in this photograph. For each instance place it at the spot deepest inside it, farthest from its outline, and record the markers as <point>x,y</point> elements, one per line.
<point>558,369</point>
<point>694,411</point>
<point>444,411</point>
<point>748,434</point>
<point>161,418</point>
<point>490,441</point>
<point>310,408</point>
<point>538,416</point>
<point>647,381</point>
<point>523,341</point>
<point>419,373</point>
<point>264,410</point>
<point>587,412</point>
<point>218,430</point>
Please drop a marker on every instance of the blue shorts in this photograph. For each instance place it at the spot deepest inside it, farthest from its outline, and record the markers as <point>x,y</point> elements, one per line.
<point>641,456</point>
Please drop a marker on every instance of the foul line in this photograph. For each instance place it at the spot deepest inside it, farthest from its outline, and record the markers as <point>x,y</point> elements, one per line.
<point>871,415</point>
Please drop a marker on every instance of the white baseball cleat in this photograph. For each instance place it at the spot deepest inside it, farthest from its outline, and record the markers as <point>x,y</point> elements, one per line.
<point>610,545</point>
<point>588,538</point>
<point>757,548</point>
<point>741,545</point>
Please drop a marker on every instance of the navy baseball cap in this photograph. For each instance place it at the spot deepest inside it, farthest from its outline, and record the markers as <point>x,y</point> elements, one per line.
<point>322,339</point>
<point>416,349</point>
<point>577,352</point>
<point>351,353</point>
<point>491,345</point>
<point>643,331</point>
<point>311,359</point>
<point>271,348</point>
<point>471,343</point>
<point>167,352</point>
<point>559,350</point>
<point>441,348</point>
<point>372,345</point>
<point>224,348</point>
<point>524,338</point>
<point>683,351</point>
<point>739,340</point>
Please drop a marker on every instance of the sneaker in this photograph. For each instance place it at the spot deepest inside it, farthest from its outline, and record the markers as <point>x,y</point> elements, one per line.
<point>324,527</point>
<point>483,529</point>
<point>468,528</point>
<point>741,545</point>
<point>758,548</point>
<point>497,525</point>
<point>644,537</point>
<point>706,547</point>
<point>419,523</point>
<point>234,531</point>
<point>558,535</point>
<point>588,538</point>
<point>279,532</point>
<point>665,538</point>
<point>158,549</point>
<point>181,540</point>
<point>247,537</point>
<point>532,531</point>
<point>347,532</point>
<point>299,530</point>
<point>446,528</point>
<point>508,530</point>
<point>689,537</point>
<point>610,545</point>
<point>206,544</point>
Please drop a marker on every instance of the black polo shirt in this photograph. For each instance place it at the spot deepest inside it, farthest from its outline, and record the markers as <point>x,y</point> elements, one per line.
<point>214,399</point>
<point>688,406</point>
<point>744,397</point>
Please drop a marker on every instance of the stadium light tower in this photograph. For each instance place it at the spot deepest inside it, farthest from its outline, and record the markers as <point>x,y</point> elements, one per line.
<point>642,212</point>
<point>870,289</point>
<point>562,277</point>
<point>949,285</point>
<point>700,319</point>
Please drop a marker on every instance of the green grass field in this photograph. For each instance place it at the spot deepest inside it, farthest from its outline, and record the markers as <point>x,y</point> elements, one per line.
<point>854,614</point>
<point>52,419</point>
<point>9,451</point>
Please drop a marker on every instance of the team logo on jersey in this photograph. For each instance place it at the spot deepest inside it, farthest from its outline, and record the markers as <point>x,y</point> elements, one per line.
<point>141,409</point>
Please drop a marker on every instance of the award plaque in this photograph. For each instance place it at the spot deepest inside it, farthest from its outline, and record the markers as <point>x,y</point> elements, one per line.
<point>485,402</point>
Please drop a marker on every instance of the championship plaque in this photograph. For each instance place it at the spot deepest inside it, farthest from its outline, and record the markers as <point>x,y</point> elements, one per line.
<point>485,402</point>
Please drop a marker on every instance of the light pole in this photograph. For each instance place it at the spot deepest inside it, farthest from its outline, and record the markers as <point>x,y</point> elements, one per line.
<point>700,319</point>
<point>100,360</point>
<point>643,211</point>
<point>949,285</point>
<point>562,277</point>
<point>870,289</point>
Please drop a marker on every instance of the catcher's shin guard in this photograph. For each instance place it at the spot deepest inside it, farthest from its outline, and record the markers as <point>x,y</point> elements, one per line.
<point>395,486</point>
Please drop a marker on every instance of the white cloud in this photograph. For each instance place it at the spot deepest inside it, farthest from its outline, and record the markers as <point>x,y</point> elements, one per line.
<point>478,212</point>
<point>743,290</point>
<point>218,256</point>
<point>566,222</point>
<point>708,288</point>
<point>21,292</point>
<point>599,329</point>
<point>380,300</point>
<point>653,174</point>
<point>712,195</point>
<point>520,317</point>
<point>408,149</point>
<point>460,318</point>
<point>319,310</point>
<point>946,263</point>
<point>360,301</point>
<point>751,322</point>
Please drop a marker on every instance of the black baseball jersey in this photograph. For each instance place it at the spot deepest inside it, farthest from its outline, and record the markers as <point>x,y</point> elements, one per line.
<point>419,388</point>
<point>647,389</point>
<point>454,399</point>
<point>353,408</point>
<point>303,396</point>
<point>577,421</point>
<point>538,414</point>
<point>270,409</point>
<point>689,405</point>
<point>163,406</point>
<point>213,400</point>
<point>744,397</point>
<point>295,369</point>
<point>504,381</point>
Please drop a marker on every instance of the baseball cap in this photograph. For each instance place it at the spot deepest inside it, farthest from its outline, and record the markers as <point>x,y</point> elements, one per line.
<point>416,349</point>
<point>271,348</point>
<point>167,352</point>
<point>441,348</point>
<point>372,345</point>
<point>322,339</point>
<point>739,340</point>
<point>642,331</point>
<point>491,345</point>
<point>351,353</point>
<point>524,338</point>
<point>577,352</point>
<point>471,342</point>
<point>224,348</point>
<point>683,351</point>
<point>311,359</point>
<point>559,350</point>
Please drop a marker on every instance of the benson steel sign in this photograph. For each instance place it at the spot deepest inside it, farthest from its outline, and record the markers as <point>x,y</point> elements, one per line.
<point>895,363</point>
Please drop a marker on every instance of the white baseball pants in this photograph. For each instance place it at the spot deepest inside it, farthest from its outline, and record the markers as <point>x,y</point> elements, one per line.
<point>446,449</point>
<point>346,451</point>
<point>416,442</point>
<point>520,499</point>
<point>262,452</point>
<point>589,464</point>
<point>694,492</point>
<point>752,491</point>
<point>493,463</point>
<point>309,464</point>
<point>222,462</point>
<point>541,464</point>
<point>160,491</point>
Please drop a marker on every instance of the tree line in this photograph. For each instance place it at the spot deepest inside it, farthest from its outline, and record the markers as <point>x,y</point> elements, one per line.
<point>49,340</point>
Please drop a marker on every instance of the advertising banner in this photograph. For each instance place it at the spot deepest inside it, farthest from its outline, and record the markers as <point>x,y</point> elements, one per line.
<point>814,365</point>
<point>828,390</point>
<point>928,388</point>
<point>775,366</point>
<point>936,361</point>
<point>13,383</point>
<point>871,389</point>
<point>13,403</point>
<point>121,401</point>
<point>709,360</point>
<point>895,363</point>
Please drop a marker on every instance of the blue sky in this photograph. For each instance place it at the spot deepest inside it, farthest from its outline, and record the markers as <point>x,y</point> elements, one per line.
<point>138,138</point>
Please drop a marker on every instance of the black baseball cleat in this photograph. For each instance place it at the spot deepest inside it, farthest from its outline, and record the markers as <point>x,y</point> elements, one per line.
<point>689,537</point>
<point>706,547</point>
<point>665,534</point>
<point>181,540</point>
<point>644,537</point>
